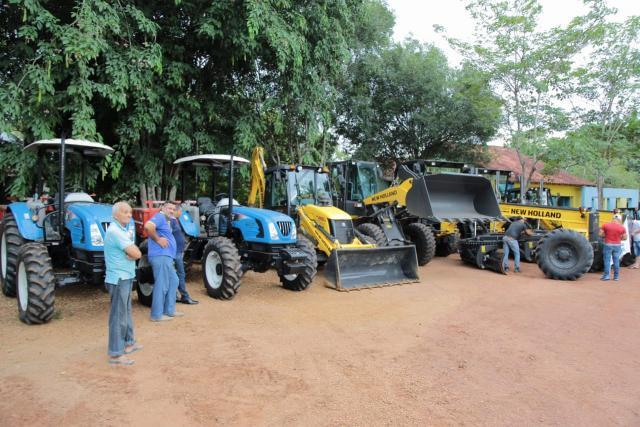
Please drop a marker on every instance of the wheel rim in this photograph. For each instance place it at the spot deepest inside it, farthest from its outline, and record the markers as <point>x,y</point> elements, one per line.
<point>213,269</point>
<point>145,288</point>
<point>290,276</point>
<point>3,256</point>
<point>23,287</point>
<point>564,256</point>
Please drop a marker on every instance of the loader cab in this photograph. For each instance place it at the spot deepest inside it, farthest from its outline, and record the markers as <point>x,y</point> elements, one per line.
<point>288,187</point>
<point>353,182</point>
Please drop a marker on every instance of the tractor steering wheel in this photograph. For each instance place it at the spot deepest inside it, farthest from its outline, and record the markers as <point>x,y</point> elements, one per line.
<point>220,196</point>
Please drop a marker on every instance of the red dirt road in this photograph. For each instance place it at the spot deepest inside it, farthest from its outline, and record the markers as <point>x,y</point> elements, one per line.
<point>464,347</point>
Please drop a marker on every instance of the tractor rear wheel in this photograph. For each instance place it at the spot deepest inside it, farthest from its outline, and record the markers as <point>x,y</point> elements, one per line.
<point>422,237</point>
<point>144,287</point>
<point>564,254</point>
<point>10,243</point>
<point>375,232</point>
<point>35,284</point>
<point>301,281</point>
<point>221,268</point>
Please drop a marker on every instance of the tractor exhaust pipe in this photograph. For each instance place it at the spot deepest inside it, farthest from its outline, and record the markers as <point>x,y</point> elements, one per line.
<point>61,188</point>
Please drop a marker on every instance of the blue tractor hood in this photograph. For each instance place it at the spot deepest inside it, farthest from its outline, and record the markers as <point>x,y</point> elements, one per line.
<point>94,212</point>
<point>264,226</point>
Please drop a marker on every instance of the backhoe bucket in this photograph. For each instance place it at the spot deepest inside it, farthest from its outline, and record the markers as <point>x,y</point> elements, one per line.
<point>453,197</point>
<point>349,269</point>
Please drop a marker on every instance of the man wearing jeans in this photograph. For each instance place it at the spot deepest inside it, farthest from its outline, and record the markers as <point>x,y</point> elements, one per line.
<point>614,233</point>
<point>162,251</point>
<point>180,243</point>
<point>120,254</point>
<point>510,241</point>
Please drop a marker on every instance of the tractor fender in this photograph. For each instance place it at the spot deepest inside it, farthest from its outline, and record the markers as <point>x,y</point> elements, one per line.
<point>189,226</point>
<point>28,228</point>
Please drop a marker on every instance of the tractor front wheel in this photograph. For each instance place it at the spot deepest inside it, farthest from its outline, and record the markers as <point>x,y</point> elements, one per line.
<point>422,237</point>
<point>10,243</point>
<point>144,274</point>
<point>221,268</point>
<point>301,281</point>
<point>35,284</point>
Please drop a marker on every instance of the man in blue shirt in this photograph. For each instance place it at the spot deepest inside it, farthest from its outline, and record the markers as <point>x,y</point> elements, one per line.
<point>161,253</point>
<point>180,243</point>
<point>120,254</point>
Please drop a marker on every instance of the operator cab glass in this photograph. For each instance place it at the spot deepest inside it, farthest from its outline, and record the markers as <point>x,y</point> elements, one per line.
<point>370,179</point>
<point>299,187</point>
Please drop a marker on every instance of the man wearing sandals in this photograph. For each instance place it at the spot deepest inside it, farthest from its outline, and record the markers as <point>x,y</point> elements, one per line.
<point>120,254</point>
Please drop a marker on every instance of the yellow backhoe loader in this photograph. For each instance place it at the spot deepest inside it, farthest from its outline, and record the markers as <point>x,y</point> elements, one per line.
<point>353,260</point>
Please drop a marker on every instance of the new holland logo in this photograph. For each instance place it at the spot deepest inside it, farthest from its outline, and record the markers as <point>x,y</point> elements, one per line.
<point>384,195</point>
<point>535,213</point>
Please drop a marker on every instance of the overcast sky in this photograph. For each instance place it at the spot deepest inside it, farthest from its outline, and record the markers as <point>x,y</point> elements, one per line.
<point>416,18</point>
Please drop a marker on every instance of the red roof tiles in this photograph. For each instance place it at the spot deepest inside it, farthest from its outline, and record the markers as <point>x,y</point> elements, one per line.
<point>507,159</point>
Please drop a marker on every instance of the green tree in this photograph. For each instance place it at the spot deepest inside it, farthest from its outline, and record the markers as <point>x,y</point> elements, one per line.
<point>528,68</point>
<point>158,80</point>
<point>404,101</point>
<point>609,85</point>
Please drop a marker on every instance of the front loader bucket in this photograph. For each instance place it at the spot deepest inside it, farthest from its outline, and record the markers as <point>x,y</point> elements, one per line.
<point>453,197</point>
<point>364,268</point>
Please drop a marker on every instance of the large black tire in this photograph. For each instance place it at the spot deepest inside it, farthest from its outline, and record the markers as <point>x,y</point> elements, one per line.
<point>422,237</point>
<point>35,284</point>
<point>447,245</point>
<point>375,232</point>
<point>144,287</point>
<point>10,243</point>
<point>221,268</point>
<point>564,254</point>
<point>627,259</point>
<point>301,281</point>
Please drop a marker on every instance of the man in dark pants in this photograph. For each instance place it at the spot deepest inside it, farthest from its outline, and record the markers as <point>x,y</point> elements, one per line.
<point>510,241</point>
<point>179,259</point>
<point>120,254</point>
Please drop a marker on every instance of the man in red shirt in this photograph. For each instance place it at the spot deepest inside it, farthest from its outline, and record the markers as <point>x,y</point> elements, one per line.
<point>614,233</point>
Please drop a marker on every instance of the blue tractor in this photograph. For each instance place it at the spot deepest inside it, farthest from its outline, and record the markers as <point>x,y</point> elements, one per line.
<point>232,239</point>
<point>48,242</point>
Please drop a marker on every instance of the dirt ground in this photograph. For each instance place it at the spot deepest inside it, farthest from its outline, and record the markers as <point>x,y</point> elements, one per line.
<point>464,347</point>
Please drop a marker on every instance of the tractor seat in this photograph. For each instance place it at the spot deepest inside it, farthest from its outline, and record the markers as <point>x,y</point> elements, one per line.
<point>225,202</point>
<point>78,197</point>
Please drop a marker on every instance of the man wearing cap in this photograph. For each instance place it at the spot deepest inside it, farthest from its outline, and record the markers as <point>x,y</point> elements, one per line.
<point>517,227</point>
<point>614,233</point>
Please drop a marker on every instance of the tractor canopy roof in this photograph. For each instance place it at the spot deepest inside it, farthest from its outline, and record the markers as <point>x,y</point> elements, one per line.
<point>218,161</point>
<point>294,168</point>
<point>86,148</point>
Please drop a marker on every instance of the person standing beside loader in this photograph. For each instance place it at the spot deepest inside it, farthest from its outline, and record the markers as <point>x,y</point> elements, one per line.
<point>634,229</point>
<point>510,242</point>
<point>614,233</point>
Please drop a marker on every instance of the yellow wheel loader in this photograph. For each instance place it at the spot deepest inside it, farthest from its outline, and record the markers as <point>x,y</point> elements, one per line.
<point>352,259</point>
<point>432,210</point>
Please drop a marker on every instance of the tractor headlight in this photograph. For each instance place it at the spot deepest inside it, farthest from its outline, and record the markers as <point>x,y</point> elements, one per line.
<point>294,233</point>
<point>273,233</point>
<point>96,237</point>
